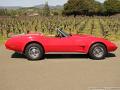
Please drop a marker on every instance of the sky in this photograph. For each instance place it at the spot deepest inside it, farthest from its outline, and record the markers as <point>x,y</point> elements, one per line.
<point>30,3</point>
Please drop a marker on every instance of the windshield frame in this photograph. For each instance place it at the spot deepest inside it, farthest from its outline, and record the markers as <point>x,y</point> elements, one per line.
<point>63,33</point>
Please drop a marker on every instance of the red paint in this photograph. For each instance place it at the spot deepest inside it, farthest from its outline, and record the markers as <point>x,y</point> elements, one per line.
<point>75,43</point>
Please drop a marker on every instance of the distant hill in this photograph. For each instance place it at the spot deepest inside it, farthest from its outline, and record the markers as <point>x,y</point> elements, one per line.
<point>10,7</point>
<point>37,6</point>
<point>52,7</point>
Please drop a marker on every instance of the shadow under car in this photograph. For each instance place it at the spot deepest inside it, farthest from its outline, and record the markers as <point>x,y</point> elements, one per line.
<point>60,56</point>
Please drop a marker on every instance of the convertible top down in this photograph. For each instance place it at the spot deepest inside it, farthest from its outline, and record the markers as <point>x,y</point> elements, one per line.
<point>34,46</point>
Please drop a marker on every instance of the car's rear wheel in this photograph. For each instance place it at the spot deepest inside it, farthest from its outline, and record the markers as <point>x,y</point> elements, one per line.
<point>34,52</point>
<point>98,51</point>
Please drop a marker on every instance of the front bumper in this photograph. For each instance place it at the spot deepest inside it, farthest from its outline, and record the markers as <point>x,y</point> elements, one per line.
<point>112,47</point>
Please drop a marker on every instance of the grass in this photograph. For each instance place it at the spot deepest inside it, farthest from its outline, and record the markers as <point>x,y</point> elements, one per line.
<point>2,40</point>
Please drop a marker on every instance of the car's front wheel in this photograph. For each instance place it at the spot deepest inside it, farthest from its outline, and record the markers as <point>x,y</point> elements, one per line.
<point>98,51</point>
<point>34,52</point>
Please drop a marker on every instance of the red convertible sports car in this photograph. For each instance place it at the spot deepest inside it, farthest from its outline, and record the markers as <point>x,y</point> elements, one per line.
<point>35,46</point>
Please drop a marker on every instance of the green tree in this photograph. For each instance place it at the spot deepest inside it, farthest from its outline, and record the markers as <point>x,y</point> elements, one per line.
<point>80,7</point>
<point>112,6</point>
<point>98,7</point>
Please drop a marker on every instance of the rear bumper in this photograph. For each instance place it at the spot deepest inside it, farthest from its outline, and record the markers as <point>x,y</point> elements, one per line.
<point>11,45</point>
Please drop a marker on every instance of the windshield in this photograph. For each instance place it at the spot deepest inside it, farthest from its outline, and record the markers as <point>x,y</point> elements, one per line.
<point>64,34</point>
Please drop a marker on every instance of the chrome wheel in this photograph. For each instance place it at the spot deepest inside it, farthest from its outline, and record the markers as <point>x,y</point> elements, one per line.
<point>98,51</point>
<point>34,52</point>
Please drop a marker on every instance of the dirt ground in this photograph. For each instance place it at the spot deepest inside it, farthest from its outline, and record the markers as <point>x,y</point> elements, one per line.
<point>58,72</point>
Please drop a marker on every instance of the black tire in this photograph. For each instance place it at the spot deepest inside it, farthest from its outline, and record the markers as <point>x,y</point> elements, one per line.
<point>97,51</point>
<point>36,54</point>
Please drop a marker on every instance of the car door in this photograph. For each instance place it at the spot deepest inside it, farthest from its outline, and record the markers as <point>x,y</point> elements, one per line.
<point>64,44</point>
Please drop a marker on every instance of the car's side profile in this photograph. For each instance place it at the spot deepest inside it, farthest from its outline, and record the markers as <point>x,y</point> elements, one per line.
<point>34,46</point>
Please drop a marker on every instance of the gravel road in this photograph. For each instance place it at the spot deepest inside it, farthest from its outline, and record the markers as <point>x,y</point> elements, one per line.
<point>58,72</point>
